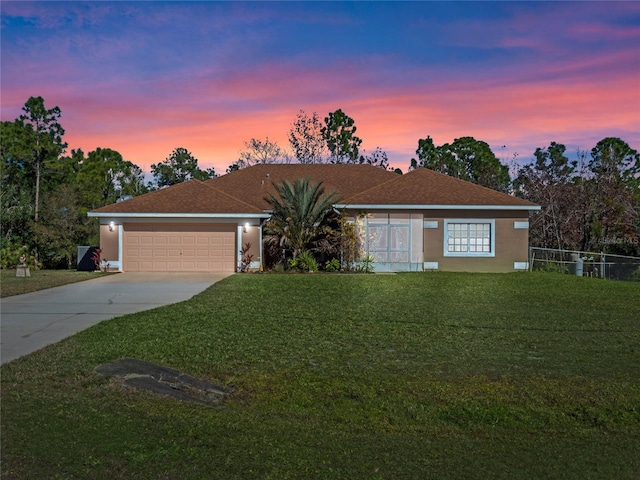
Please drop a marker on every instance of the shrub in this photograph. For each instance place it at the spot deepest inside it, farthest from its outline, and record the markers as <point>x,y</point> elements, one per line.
<point>304,262</point>
<point>332,265</point>
<point>246,258</point>
<point>10,256</point>
<point>366,265</point>
<point>97,258</point>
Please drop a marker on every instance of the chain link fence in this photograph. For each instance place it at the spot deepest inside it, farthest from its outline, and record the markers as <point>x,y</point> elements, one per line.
<point>585,264</point>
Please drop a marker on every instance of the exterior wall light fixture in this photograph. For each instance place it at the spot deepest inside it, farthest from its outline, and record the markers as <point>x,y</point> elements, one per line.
<point>112,226</point>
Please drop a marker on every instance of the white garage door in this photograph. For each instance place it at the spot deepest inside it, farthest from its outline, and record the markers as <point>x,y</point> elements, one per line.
<point>158,247</point>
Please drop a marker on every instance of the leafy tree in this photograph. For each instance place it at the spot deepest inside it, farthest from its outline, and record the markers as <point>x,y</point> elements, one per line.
<point>466,158</point>
<point>16,185</point>
<point>378,159</point>
<point>306,138</point>
<point>179,167</point>
<point>298,212</point>
<point>339,133</point>
<point>104,176</point>
<point>552,181</point>
<point>591,206</point>
<point>15,152</point>
<point>613,158</point>
<point>258,151</point>
<point>233,167</point>
<point>613,193</point>
<point>428,156</point>
<point>43,137</point>
<point>30,148</point>
<point>63,226</point>
<point>16,213</point>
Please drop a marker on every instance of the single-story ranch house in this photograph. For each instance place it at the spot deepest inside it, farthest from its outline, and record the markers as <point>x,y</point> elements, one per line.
<point>422,220</point>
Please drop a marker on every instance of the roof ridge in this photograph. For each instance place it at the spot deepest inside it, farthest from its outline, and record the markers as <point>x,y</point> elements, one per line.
<point>375,186</point>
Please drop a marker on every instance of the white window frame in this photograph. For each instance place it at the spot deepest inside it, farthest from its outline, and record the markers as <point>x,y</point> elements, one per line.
<point>492,240</point>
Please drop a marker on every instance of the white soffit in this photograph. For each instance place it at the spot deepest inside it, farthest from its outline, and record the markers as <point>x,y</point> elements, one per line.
<point>436,207</point>
<point>178,215</point>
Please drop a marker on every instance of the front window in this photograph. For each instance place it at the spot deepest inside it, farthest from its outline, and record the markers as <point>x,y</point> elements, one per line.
<point>469,238</point>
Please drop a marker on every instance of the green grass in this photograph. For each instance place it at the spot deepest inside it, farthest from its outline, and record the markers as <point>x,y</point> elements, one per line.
<point>39,280</point>
<point>506,376</point>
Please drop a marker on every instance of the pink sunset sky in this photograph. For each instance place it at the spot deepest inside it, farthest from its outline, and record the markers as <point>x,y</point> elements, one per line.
<point>144,78</point>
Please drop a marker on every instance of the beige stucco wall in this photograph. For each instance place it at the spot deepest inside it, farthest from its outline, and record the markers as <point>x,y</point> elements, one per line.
<point>109,242</point>
<point>511,244</point>
<point>252,235</point>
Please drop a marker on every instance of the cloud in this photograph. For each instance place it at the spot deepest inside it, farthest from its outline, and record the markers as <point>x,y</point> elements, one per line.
<point>146,77</point>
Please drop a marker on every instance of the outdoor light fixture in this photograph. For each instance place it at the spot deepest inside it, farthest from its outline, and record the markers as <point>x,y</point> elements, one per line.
<point>112,225</point>
<point>246,228</point>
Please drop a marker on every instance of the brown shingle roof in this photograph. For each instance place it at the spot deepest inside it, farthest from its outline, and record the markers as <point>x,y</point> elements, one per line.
<point>427,187</point>
<point>193,196</point>
<point>254,183</point>
<point>243,191</point>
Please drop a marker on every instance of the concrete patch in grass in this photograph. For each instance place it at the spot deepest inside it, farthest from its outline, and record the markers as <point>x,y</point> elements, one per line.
<point>163,381</point>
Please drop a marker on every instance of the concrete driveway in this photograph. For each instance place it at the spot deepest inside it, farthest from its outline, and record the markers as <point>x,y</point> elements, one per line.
<point>34,320</point>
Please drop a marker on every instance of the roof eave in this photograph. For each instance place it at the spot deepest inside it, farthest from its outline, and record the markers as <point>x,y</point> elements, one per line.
<point>437,207</point>
<point>177,214</point>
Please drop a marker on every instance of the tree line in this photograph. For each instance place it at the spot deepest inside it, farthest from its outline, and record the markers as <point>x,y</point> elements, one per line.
<point>313,141</point>
<point>590,204</point>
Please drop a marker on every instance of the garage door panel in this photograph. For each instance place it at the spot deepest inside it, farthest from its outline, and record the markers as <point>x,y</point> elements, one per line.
<point>179,247</point>
<point>146,240</point>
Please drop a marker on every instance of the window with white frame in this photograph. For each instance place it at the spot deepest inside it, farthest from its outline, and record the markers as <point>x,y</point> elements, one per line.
<point>469,238</point>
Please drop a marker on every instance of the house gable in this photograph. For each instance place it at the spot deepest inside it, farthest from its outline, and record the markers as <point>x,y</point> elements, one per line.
<point>424,188</point>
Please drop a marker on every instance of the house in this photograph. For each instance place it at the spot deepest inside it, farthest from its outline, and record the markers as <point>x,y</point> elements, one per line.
<point>419,221</point>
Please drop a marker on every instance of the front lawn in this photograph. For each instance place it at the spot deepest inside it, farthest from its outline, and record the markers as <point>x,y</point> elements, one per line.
<point>410,376</point>
<point>39,280</point>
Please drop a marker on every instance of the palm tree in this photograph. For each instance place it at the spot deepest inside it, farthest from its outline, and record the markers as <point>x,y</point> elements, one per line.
<point>298,212</point>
